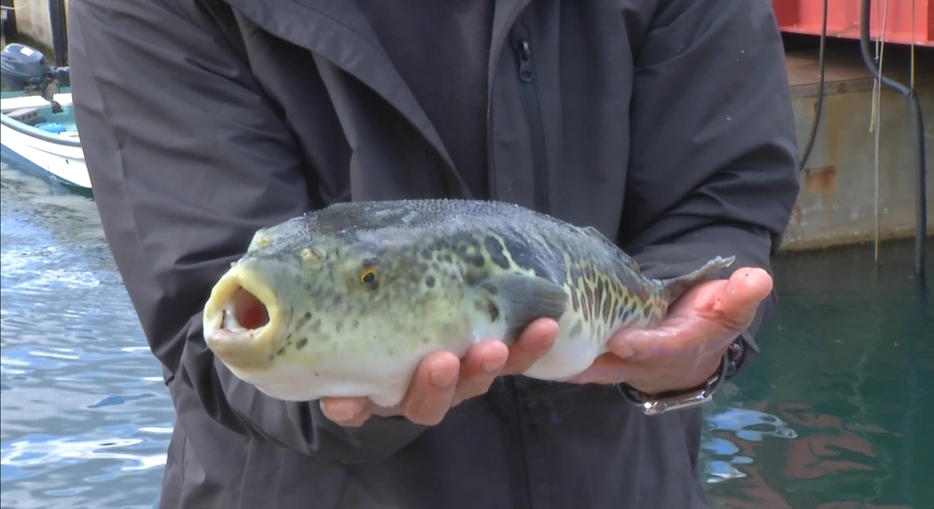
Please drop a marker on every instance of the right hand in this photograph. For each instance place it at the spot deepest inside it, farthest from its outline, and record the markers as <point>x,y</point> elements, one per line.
<point>442,380</point>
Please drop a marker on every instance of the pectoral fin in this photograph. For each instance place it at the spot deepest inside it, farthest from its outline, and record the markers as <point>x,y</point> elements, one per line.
<point>518,300</point>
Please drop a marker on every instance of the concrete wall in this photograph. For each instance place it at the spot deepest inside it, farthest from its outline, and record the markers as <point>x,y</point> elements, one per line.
<point>838,186</point>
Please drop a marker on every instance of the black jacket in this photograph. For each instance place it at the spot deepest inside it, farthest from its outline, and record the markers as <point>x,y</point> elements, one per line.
<point>666,124</point>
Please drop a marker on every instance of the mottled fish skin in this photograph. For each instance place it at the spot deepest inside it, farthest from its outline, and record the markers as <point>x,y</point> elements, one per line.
<point>445,274</point>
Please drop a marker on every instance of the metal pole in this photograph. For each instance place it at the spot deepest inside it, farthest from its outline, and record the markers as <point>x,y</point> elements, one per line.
<point>58,20</point>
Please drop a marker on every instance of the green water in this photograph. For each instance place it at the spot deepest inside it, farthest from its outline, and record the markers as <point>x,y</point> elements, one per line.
<point>842,391</point>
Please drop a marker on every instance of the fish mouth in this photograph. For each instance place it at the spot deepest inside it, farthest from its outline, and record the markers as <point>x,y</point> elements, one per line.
<point>241,319</point>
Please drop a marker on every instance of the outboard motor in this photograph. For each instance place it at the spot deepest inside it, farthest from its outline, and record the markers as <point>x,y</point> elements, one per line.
<point>23,68</point>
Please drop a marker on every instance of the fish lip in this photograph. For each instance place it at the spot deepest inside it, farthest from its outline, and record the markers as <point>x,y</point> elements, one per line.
<point>250,348</point>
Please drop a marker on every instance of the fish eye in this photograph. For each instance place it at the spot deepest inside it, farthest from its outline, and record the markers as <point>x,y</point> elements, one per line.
<point>369,276</point>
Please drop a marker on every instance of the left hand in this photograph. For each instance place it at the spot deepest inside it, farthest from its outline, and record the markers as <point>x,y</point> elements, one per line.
<point>684,350</point>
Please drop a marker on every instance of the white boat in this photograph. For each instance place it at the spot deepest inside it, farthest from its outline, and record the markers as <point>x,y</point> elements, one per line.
<point>39,135</point>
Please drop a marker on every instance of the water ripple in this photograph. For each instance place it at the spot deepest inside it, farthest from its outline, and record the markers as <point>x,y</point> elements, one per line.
<point>84,404</point>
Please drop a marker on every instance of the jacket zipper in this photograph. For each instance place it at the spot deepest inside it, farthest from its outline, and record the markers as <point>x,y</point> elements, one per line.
<point>497,49</point>
<point>533,116</point>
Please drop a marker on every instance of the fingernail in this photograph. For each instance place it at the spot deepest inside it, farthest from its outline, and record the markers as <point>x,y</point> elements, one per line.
<point>339,411</point>
<point>491,367</point>
<point>443,379</point>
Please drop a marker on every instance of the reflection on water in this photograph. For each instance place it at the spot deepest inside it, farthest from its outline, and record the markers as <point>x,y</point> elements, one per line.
<point>723,455</point>
<point>834,414</point>
<point>83,403</point>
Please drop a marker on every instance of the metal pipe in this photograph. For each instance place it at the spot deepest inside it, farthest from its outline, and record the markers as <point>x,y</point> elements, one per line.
<point>917,125</point>
<point>818,105</point>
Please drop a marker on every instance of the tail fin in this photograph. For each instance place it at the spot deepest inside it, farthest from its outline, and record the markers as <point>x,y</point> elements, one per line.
<point>678,286</point>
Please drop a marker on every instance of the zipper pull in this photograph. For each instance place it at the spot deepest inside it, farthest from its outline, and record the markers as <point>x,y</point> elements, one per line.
<point>525,61</point>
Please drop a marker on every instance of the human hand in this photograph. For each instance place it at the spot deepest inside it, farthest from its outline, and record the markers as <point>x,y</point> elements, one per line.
<point>442,381</point>
<point>685,349</point>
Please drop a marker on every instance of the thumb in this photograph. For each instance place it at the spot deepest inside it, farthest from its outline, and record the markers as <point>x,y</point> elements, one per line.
<point>736,305</point>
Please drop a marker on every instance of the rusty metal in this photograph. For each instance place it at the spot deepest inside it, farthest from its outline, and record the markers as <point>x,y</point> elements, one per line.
<point>836,203</point>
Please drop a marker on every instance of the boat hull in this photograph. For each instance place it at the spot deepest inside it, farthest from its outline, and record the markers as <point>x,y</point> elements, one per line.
<point>41,152</point>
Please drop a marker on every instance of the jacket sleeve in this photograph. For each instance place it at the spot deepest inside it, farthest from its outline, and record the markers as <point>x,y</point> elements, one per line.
<point>187,159</point>
<point>714,150</point>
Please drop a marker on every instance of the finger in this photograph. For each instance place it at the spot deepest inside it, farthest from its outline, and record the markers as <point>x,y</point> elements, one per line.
<point>606,369</point>
<point>349,412</point>
<point>483,364</point>
<point>431,392</point>
<point>737,304</point>
<point>534,342</point>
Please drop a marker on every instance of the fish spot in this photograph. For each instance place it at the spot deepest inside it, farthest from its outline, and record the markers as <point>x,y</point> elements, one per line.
<point>301,343</point>
<point>598,293</point>
<point>495,249</point>
<point>493,309</point>
<point>315,326</point>
<point>303,319</point>
<point>576,329</point>
<point>430,281</point>
<point>470,278</point>
<point>281,351</point>
<point>605,312</point>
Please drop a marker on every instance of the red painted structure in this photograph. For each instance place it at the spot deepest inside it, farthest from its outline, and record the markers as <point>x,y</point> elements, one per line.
<point>806,16</point>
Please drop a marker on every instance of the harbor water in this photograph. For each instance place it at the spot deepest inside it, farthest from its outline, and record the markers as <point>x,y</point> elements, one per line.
<point>835,413</point>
